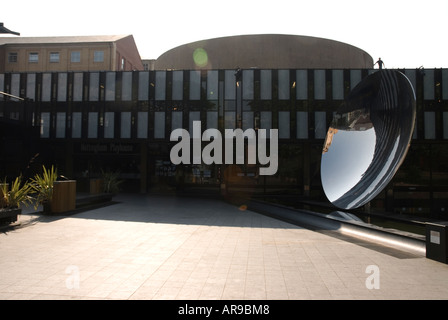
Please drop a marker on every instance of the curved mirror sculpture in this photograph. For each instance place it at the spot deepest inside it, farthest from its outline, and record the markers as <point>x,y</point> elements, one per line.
<point>368,139</point>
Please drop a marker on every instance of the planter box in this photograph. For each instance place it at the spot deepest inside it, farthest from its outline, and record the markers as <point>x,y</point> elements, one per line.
<point>64,196</point>
<point>96,186</point>
<point>9,215</point>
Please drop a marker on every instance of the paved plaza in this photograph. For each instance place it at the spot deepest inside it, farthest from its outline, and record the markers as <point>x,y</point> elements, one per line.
<point>167,247</point>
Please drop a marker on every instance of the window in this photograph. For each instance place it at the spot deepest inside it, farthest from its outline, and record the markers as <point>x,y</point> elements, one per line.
<point>428,85</point>
<point>266,84</point>
<point>355,78</point>
<point>302,84</point>
<point>283,85</point>
<point>177,93</point>
<point>320,125</point>
<point>444,84</point>
<point>94,86</point>
<point>62,87</point>
<point>266,122</point>
<point>54,56</point>
<point>46,87</point>
<point>159,125</point>
<point>98,56</point>
<point>338,84</point>
<point>212,120</point>
<point>319,84</point>
<point>15,85</point>
<point>142,125</point>
<point>411,74</point>
<point>229,85</point>
<point>110,86</point>
<point>229,120</point>
<point>76,124</point>
<point>176,120</point>
<point>45,125</point>
<point>212,85</point>
<point>126,86</point>
<point>160,85</point>
<point>248,84</point>
<point>143,85</point>
<point>109,128</point>
<point>248,120</point>
<point>12,57</point>
<point>14,115</point>
<point>75,56</point>
<point>195,85</point>
<point>125,128</point>
<point>77,86</point>
<point>92,125</point>
<point>194,116</point>
<point>212,123</point>
<point>302,125</point>
<point>283,125</point>
<point>33,57</point>
<point>60,124</point>
<point>30,86</point>
<point>430,124</point>
<point>445,125</point>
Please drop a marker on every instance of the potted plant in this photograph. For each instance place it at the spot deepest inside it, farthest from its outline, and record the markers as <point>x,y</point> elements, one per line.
<point>43,185</point>
<point>12,199</point>
<point>111,182</point>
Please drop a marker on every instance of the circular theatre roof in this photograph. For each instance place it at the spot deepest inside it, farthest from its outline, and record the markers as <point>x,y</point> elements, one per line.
<point>265,51</point>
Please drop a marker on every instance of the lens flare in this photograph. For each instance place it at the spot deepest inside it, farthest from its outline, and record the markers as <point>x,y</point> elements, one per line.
<point>200,57</point>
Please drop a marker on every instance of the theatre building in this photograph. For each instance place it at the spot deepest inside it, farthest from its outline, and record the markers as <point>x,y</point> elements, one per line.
<point>121,121</point>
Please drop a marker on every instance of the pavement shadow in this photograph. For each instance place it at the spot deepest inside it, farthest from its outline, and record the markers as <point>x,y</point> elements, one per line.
<point>173,209</point>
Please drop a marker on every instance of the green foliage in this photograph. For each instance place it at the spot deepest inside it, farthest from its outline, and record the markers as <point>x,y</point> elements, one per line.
<point>43,183</point>
<point>4,189</point>
<point>111,182</point>
<point>18,194</point>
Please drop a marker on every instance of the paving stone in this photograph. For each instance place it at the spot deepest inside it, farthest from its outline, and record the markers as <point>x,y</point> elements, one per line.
<point>163,247</point>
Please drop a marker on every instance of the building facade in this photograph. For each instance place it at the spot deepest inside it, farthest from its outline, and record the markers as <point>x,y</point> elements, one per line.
<point>62,54</point>
<point>117,119</point>
<point>88,122</point>
<point>264,51</point>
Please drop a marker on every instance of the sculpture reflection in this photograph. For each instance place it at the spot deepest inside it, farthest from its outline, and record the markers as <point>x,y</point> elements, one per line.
<point>368,139</point>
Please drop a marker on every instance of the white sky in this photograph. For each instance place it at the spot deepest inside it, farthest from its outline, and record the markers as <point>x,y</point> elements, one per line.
<point>404,33</point>
<point>340,170</point>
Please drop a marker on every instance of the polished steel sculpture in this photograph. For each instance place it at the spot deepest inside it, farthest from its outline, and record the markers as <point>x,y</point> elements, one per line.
<point>368,139</point>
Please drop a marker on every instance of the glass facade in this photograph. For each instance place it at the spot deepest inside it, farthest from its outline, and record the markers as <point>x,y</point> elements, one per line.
<point>123,121</point>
